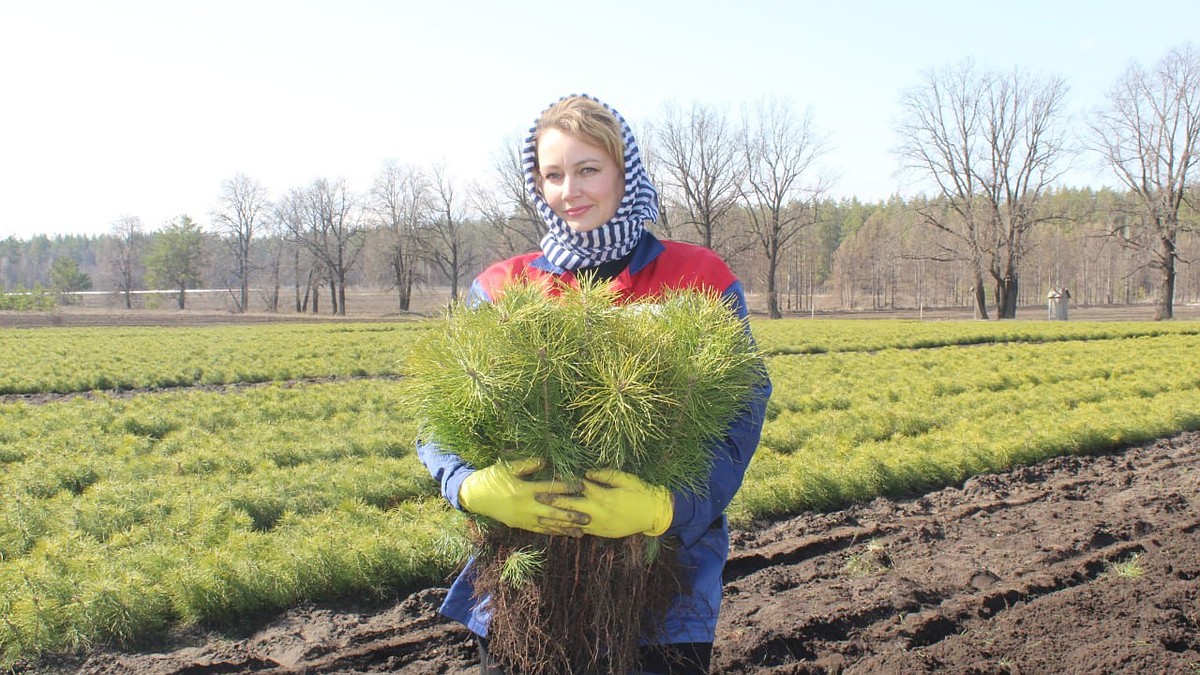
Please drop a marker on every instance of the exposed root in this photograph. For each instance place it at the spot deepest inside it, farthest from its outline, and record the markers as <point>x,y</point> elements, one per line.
<point>585,609</point>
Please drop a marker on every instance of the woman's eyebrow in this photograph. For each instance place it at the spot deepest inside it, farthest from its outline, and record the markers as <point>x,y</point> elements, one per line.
<point>587,160</point>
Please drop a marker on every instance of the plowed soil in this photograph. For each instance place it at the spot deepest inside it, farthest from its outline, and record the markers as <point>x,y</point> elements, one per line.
<point>1075,565</point>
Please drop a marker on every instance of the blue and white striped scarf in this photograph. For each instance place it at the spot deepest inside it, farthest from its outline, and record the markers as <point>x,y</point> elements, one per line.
<point>614,239</point>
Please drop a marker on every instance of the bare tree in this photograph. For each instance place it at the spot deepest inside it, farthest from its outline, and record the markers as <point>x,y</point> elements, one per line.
<point>326,220</point>
<point>290,216</point>
<point>123,255</point>
<point>990,143</point>
<point>272,254</point>
<point>448,245</point>
<point>940,141</point>
<point>779,188</point>
<point>399,202</point>
<point>496,220</point>
<point>1149,134</point>
<point>701,171</point>
<point>1025,137</point>
<point>243,204</point>
<point>505,204</point>
<point>665,225</point>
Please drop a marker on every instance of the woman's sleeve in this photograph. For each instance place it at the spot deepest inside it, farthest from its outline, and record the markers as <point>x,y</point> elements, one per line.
<point>448,469</point>
<point>695,513</point>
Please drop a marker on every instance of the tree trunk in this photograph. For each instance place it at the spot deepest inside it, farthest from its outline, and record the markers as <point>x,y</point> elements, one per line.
<point>182,296</point>
<point>273,299</point>
<point>245,289</point>
<point>772,292</point>
<point>980,297</point>
<point>406,287</point>
<point>454,273</point>
<point>300,307</point>
<point>404,284</point>
<point>1164,304</point>
<point>1008,298</point>
<point>243,282</point>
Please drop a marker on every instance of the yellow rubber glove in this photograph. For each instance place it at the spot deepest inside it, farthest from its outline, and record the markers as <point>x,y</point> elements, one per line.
<point>619,504</point>
<point>502,492</point>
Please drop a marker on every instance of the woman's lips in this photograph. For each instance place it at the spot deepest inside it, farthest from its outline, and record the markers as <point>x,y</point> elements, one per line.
<point>578,211</point>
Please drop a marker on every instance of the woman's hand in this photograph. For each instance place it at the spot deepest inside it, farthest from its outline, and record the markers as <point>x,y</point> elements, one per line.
<point>503,492</point>
<point>617,504</point>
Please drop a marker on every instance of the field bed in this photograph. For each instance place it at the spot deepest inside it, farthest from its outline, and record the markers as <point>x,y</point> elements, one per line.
<point>791,336</point>
<point>67,360</point>
<point>189,500</point>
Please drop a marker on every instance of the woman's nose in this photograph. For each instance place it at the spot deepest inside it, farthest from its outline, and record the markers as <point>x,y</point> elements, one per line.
<point>569,186</point>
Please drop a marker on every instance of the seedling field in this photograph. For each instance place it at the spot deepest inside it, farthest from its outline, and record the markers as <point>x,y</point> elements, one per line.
<point>151,477</point>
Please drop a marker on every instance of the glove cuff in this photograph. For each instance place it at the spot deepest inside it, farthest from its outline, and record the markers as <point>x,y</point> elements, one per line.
<point>664,512</point>
<point>464,492</point>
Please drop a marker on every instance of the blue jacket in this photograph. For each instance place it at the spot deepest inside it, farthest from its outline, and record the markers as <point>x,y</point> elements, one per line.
<point>699,522</point>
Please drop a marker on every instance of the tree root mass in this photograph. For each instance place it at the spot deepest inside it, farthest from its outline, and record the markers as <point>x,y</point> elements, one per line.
<point>584,609</point>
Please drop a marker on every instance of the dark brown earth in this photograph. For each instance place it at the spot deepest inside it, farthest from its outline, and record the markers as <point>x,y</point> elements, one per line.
<point>1075,565</point>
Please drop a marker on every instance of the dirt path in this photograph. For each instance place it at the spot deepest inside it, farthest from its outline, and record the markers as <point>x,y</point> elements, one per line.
<point>1076,565</point>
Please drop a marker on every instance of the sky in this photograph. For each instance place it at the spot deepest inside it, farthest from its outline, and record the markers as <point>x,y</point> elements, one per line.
<point>126,108</point>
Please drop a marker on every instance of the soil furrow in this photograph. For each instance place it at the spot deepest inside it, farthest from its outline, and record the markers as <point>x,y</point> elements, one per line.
<point>744,564</point>
<point>56,397</point>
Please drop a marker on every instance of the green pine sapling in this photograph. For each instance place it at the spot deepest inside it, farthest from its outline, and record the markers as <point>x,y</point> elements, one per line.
<point>578,378</point>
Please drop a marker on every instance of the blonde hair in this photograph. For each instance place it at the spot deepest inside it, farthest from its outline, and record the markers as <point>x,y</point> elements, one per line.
<point>586,119</point>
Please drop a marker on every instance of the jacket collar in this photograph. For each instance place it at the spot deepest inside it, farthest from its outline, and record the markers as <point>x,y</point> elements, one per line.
<point>648,248</point>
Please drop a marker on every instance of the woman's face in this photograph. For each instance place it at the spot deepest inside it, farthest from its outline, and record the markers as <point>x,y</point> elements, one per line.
<point>580,181</point>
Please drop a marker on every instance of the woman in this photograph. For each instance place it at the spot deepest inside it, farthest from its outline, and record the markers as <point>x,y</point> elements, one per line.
<point>585,175</point>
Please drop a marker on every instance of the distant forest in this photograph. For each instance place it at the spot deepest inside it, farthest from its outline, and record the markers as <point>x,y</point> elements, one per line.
<point>864,255</point>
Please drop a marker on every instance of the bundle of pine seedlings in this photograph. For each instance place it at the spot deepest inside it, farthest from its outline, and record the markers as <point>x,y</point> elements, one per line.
<point>573,376</point>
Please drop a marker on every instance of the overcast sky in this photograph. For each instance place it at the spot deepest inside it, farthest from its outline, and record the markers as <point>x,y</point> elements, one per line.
<point>121,108</point>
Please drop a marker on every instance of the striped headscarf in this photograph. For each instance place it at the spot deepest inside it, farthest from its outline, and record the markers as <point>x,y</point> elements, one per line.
<point>614,239</point>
